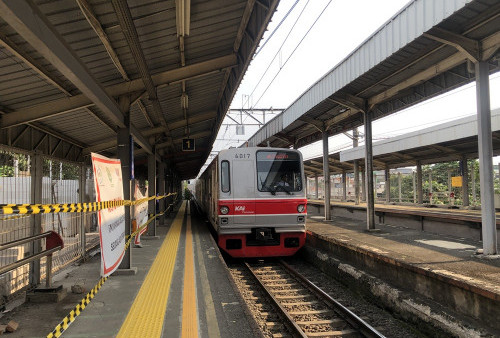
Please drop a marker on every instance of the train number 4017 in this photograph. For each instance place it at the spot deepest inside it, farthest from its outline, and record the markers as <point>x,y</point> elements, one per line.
<point>241,155</point>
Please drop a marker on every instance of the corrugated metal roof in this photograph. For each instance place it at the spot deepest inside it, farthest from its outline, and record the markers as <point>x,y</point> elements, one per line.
<point>446,132</point>
<point>222,39</point>
<point>391,56</point>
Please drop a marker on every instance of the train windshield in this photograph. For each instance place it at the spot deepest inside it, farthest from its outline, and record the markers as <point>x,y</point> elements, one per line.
<point>278,171</point>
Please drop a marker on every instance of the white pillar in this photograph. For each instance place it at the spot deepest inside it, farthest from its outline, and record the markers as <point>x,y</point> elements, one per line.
<point>326,174</point>
<point>399,187</point>
<point>370,202</point>
<point>414,187</point>
<point>489,230</point>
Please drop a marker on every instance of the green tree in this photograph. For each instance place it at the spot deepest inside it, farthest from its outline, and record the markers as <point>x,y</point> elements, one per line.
<point>406,188</point>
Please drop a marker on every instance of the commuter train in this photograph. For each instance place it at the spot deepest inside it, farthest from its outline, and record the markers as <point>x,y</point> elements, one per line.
<point>255,200</point>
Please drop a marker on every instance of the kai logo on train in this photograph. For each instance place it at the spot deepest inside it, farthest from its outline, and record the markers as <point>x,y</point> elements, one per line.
<point>239,208</point>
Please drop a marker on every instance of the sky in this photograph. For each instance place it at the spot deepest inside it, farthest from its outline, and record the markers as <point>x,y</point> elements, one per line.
<point>314,37</point>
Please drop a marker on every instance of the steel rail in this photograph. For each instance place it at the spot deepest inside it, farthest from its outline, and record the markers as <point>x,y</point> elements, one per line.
<point>291,323</point>
<point>359,324</point>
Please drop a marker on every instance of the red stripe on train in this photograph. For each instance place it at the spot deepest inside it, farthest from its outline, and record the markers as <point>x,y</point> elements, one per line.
<point>263,206</point>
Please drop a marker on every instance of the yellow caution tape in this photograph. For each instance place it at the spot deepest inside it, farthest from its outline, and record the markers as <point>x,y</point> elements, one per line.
<point>78,309</point>
<point>70,318</point>
<point>20,209</point>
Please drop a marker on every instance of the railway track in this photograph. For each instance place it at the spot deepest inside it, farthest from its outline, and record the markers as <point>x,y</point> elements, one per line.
<point>286,303</point>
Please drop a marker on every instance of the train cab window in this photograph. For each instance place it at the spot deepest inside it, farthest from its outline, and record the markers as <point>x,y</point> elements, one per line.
<point>224,177</point>
<point>279,171</point>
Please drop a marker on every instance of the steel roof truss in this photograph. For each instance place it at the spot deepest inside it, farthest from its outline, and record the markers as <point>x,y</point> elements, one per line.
<point>315,123</point>
<point>487,47</point>
<point>140,139</point>
<point>490,46</point>
<point>18,137</point>
<point>349,101</point>
<point>42,139</point>
<point>53,150</point>
<point>96,26</point>
<point>144,112</point>
<point>440,67</point>
<point>465,45</point>
<point>70,104</point>
<point>32,25</point>
<point>126,22</point>
<point>29,61</point>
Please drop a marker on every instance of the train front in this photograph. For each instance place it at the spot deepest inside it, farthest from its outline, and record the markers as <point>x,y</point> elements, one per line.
<point>262,204</point>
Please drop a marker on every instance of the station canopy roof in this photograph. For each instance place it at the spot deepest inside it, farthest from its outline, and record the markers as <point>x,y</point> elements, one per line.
<point>445,142</point>
<point>425,50</point>
<point>75,72</point>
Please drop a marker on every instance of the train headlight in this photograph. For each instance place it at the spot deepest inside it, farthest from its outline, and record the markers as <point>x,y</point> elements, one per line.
<point>301,208</point>
<point>224,210</point>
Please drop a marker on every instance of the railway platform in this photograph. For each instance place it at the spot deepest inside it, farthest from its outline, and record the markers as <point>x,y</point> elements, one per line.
<point>464,223</point>
<point>400,266</point>
<point>181,288</point>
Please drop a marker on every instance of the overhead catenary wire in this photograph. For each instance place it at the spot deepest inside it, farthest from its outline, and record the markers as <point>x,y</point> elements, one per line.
<point>278,52</point>
<point>277,27</point>
<point>296,47</point>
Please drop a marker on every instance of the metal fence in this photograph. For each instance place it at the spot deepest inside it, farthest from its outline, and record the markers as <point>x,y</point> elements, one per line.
<point>61,182</point>
<point>436,189</point>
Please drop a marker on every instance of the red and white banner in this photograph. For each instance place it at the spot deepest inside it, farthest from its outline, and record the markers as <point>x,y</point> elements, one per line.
<point>141,210</point>
<point>109,187</point>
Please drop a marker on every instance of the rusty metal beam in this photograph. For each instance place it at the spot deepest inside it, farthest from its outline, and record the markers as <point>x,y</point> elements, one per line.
<point>96,26</point>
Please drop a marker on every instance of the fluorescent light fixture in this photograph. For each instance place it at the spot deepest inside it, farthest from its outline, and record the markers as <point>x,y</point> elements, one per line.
<point>183,16</point>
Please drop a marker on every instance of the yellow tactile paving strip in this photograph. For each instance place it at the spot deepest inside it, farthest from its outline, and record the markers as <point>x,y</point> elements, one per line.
<point>189,313</point>
<point>146,316</point>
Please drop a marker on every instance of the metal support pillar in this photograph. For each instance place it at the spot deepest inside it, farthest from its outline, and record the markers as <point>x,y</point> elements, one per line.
<point>399,188</point>
<point>363,184</point>
<point>370,202</point>
<point>161,191</point>
<point>151,193</point>
<point>344,186</point>
<point>465,182</point>
<point>355,138</point>
<point>420,192</point>
<point>387,185</point>
<point>316,192</point>
<point>489,230</point>
<point>473,177</point>
<point>430,186</point>
<point>356,182</point>
<point>414,179</point>
<point>82,218</point>
<point>36,219</point>
<point>450,189</point>
<point>326,175</point>
<point>124,152</point>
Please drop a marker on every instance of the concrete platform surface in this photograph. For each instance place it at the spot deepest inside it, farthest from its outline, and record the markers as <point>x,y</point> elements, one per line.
<point>218,307</point>
<point>443,268</point>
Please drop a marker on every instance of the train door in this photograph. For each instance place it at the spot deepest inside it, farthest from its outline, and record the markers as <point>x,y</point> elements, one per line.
<point>243,173</point>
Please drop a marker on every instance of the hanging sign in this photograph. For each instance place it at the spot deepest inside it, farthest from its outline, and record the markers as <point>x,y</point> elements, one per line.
<point>109,187</point>
<point>188,144</point>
